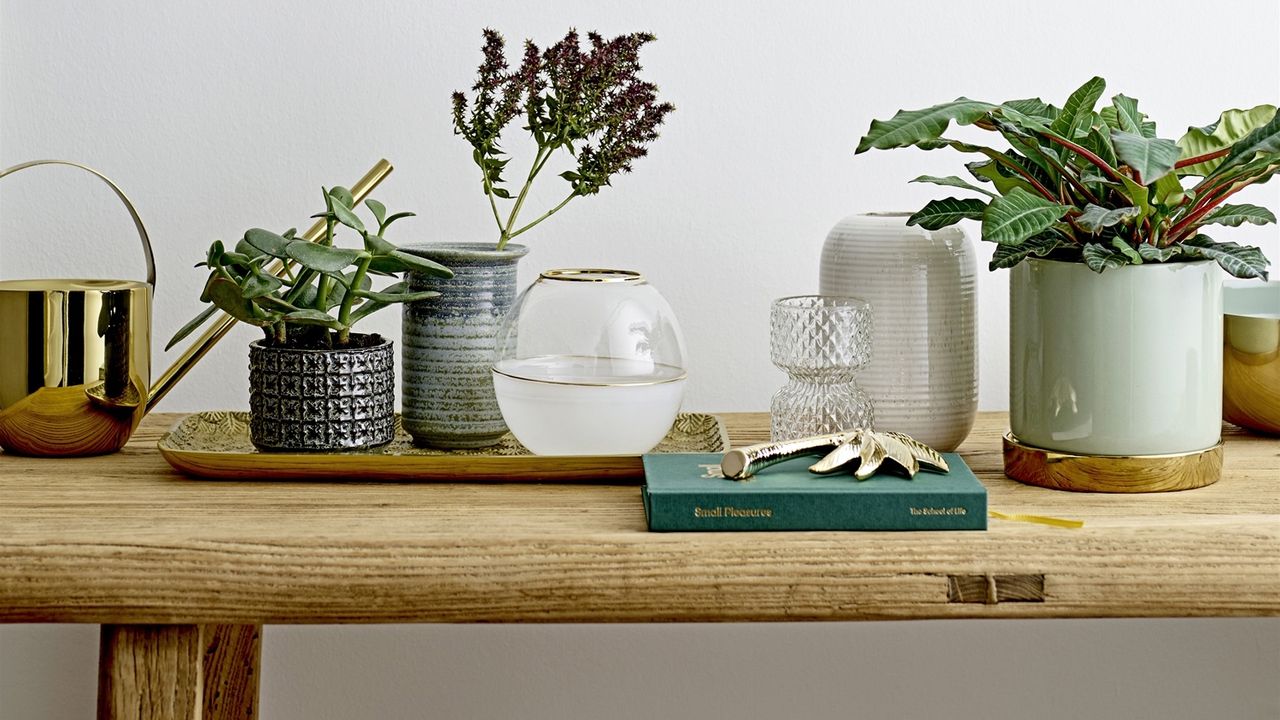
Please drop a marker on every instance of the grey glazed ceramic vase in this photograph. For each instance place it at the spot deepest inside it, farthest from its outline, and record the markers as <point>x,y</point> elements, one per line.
<point>448,344</point>
<point>338,399</point>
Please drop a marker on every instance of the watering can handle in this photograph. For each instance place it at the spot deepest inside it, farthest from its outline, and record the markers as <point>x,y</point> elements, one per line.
<point>133,213</point>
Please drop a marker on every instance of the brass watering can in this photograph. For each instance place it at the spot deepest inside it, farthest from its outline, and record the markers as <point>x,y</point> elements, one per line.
<point>75,355</point>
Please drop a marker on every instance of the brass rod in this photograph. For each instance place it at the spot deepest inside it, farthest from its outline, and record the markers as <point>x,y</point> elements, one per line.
<point>222,323</point>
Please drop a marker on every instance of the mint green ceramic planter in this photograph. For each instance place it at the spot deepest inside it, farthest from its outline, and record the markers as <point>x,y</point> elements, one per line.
<point>1128,362</point>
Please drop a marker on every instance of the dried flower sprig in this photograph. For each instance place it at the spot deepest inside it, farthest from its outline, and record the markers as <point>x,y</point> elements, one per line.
<point>592,104</point>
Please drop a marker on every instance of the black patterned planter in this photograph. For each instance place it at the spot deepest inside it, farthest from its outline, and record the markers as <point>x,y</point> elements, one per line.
<point>340,399</point>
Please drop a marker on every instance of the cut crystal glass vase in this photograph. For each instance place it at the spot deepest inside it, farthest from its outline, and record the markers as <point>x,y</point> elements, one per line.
<point>821,342</point>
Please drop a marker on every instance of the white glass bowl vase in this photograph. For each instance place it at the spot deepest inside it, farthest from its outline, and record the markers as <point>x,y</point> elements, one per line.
<point>589,362</point>
<point>821,342</point>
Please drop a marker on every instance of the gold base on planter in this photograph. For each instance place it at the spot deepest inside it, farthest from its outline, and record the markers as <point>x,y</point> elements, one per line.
<point>1111,473</point>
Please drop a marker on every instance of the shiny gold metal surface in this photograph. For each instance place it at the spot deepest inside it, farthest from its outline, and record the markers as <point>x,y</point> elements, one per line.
<point>217,445</point>
<point>75,355</point>
<point>222,322</point>
<point>594,275</point>
<point>1251,358</point>
<point>1111,473</point>
<point>868,448</point>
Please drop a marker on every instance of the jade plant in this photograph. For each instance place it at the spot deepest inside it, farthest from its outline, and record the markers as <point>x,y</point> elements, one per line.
<point>1096,185</point>
<point>590,105</point>
<point>320,290</point>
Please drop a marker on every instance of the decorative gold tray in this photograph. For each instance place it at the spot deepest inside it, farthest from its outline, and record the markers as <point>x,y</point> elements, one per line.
<point>216,445</point>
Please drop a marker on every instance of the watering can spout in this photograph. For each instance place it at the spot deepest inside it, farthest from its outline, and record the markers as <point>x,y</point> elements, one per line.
<point>224,322</point>
<point>75,354</point>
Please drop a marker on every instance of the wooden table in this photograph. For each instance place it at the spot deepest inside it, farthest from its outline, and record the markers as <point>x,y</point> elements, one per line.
<point>183,573</point>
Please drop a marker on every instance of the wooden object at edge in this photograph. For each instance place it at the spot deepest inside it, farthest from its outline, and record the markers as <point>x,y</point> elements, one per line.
<point>125,539</point>
<point>179,672</point>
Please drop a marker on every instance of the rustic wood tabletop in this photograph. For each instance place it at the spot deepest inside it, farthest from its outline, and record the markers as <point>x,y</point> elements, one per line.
<point>125,541</point>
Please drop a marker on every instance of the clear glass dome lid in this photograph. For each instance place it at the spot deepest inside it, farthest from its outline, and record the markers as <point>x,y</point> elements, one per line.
<point>591,326</point>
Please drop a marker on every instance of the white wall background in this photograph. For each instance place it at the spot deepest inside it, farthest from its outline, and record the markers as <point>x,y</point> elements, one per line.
<point>218,116</point>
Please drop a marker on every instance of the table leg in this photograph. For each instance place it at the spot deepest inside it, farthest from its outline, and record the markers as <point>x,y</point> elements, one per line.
<point>179,672</point>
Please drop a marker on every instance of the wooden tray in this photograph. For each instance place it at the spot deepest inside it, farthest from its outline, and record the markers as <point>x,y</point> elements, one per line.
<point>216,445</point>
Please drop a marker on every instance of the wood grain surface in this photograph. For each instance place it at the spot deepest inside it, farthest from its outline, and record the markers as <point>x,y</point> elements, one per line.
<point>125,539</point>
<point>150,672</point>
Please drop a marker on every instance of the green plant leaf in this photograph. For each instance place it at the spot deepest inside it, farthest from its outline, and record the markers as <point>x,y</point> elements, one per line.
<point>259,283</point>
<point>192,325</point>
<point>213,257</point>
<point>1099,143</point>
<point>1095,218</point>
<point>313,317</point>
<point>503,193</point>
<point>1100,258</point>
<point>397,297</point>
<point>1151,158</point>
<point>991,171</point>
<point>378,246</point>
<point>343,196</point>
<point>947,211</point>
<point>394,218</point>
<point>909,127</point>
<point>346,217</point>
<point>1011,219</point>
<point>1264,139</point>
<point>1230,127</point>
<point>1034,107</point>
<point>378,209</point>
<point>322,258</point>
<point>387,265</point>
<point>952,181</point>
<point>1123,115</point>
<point>249,251</point>
<point>1242,261</point>
<point>1169,190</point>
<point>1006,256</point>
<point>268,242</point>
<point>421,264</point>
<point>1139,195</point>
<point>1026,125</point>
<point>1079,104</point>
<point>226,295</point>
<point>1151,253</point>
<point>275,304</point>
<point>1236,215</point>
<point>1124,248</point>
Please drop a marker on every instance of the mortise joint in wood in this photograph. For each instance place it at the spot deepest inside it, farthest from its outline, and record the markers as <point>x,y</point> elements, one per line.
<point>991,589</point>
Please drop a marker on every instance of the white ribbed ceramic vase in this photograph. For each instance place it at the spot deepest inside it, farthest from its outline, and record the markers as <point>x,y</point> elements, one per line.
<point>923,374</point>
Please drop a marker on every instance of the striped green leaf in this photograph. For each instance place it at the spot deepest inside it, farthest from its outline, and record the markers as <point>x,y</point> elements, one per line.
<point>1011,219</point>
<point>1006,256</point>
<point>1236,215</point>
<point>1264,139</point>
<point>1230,127</point>
<point>909,127</point>
<point>952,181</point>
<point>1095,218</point>
<point>947,211</point>
<point>1151,253</point>
<point>1100,257</point>
<point>1238,260</point>
<point>1079,104</point>
<point>1153,158</point>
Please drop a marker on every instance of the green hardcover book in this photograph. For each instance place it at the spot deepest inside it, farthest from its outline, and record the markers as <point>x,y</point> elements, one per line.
<point>686,491</point>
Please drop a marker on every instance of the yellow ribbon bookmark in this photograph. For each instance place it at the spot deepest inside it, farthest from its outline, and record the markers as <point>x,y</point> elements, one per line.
<point>1038,519</point>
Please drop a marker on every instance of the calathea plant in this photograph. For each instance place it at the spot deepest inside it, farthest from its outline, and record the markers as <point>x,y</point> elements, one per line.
<point>1096,185</point>
<point>592,105</point>
<point>296,308</point>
